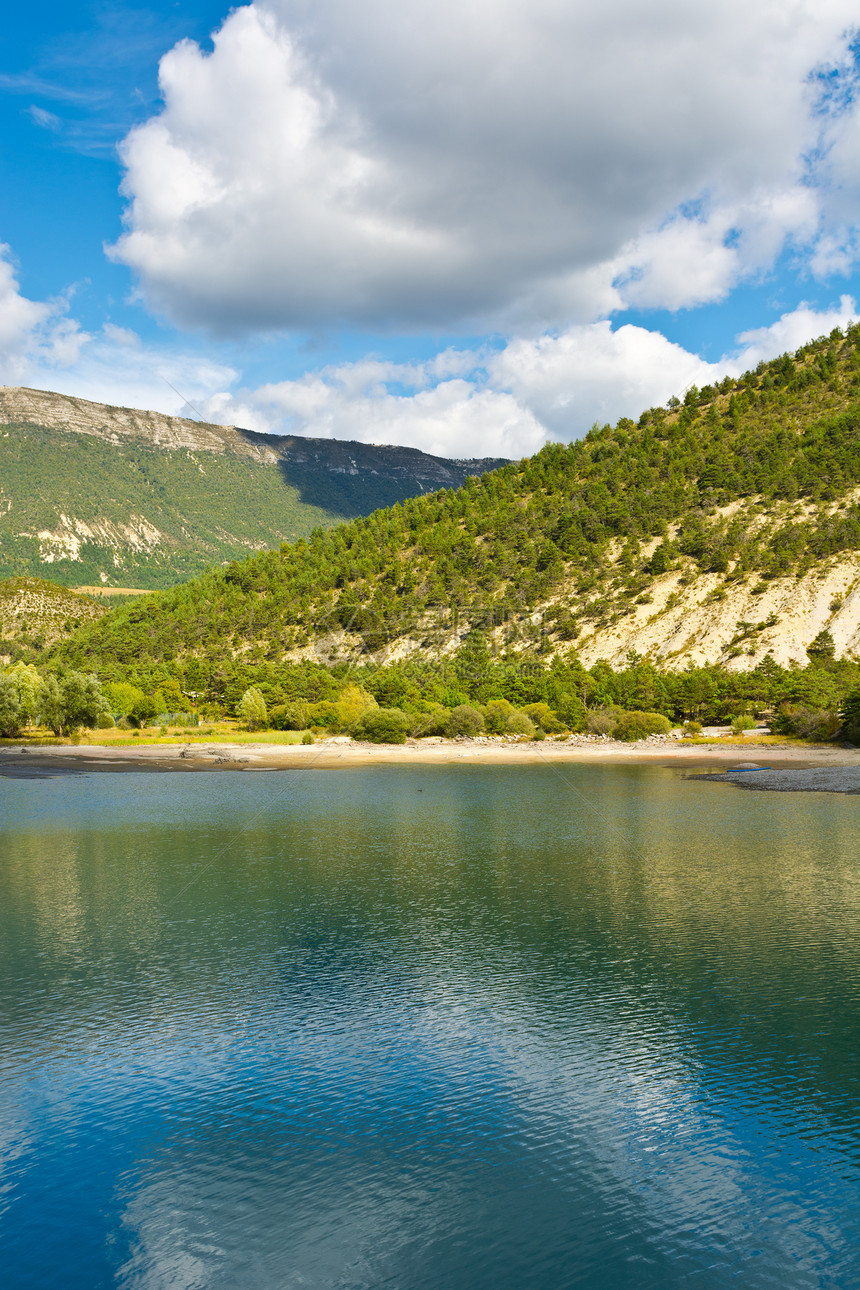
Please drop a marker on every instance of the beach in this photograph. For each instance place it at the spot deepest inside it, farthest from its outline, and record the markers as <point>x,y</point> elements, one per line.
<point>782,766</point>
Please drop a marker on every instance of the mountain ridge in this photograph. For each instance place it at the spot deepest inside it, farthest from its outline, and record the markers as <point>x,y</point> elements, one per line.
<point>91,493</point>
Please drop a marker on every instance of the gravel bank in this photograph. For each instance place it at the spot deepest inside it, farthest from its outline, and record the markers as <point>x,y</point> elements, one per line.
<point>817,779</point>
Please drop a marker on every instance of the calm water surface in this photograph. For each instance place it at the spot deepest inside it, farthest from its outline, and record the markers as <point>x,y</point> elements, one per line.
<point>459,1028</point>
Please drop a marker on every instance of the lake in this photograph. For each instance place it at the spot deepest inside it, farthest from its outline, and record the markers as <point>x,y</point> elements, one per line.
<point>448,1028</point>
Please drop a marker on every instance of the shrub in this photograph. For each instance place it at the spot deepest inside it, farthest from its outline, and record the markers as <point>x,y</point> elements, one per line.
<point>544,718</point>
<point>520,724</point>
<point>433,721</point>
<point>324,714</point>
<point>382,726</point>
<point>692,730</point>
<point>289,716</point>
<point>497,716</point>
<point>105,722</point>
<point>742,723</point>
<point>639,725</point>
<point>464,720</point>
<point>352,703</point>
<point>307,737</point>
<point>815,724</point>
<point>601,721</point>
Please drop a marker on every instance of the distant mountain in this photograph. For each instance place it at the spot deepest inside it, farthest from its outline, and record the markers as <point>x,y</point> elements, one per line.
<point>720,530</point>
<point>96,494</point>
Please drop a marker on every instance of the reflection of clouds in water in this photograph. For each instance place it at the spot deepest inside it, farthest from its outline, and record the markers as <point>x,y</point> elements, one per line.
<point>263,1232</point>
<point>320,1165</point>
<point>624,1092</point>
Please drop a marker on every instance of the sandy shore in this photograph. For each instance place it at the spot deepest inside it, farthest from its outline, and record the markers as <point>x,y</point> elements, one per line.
<point>32,762</point>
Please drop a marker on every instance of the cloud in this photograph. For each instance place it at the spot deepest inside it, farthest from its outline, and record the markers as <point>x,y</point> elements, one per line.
<point>438,162</point>
<point>43,118</point>
<point>42,347</point>
<point>32,333</point>
<point>594,373</point>
<point>453,417</point>
<point>489,402</point>
<point>506,403</point>
<point>477,404</point>
<point>791,331</point>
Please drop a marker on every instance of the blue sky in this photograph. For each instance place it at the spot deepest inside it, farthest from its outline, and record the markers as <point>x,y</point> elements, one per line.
<point>464,226</point>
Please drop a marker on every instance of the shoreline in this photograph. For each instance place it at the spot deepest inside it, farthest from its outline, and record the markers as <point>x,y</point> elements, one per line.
<point>37,761</point>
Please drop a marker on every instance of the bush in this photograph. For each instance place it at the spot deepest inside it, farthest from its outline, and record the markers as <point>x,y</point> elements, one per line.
<point>307,737</point>
<point>815,724</point>
<point>433,721</point>
<point>464,720</point>
<point>544,718</point>
<point>639,725</point>
<point>601,721</point>
<point>351,704</point>
<point>502,718</point>
<point>692,730</point>
<point>289,716</point>
<point>497,716</point>
<point>520,724</point>
<point>105,722</point>
<point>326,715</point>
<point>382,726</point>
<point>742,723</point>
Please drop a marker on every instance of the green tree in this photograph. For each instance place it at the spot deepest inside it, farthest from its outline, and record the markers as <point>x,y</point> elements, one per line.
<point>29,684</point>
<point>71,702</point>
<point>143,710</point>
<point>122,697</point>
<point>83,701</point>
<point>543,716</point>
<point>849,714</point>
<point>252,709</point>
<point>10,707</point>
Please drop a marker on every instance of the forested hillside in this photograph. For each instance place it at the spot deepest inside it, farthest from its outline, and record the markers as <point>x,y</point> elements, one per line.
<point>90,493</point>
<point>742,496</point>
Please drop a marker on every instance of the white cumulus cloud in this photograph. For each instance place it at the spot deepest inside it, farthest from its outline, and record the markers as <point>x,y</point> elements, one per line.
<point>33,333</point>
<point>509,402</point>
<point>435,161</point>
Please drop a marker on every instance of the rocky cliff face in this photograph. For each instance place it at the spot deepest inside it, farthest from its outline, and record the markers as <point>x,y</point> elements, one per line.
<point>123,425</point>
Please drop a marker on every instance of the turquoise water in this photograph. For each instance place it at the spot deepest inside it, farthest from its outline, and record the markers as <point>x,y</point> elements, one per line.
<point>459,1028</point>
